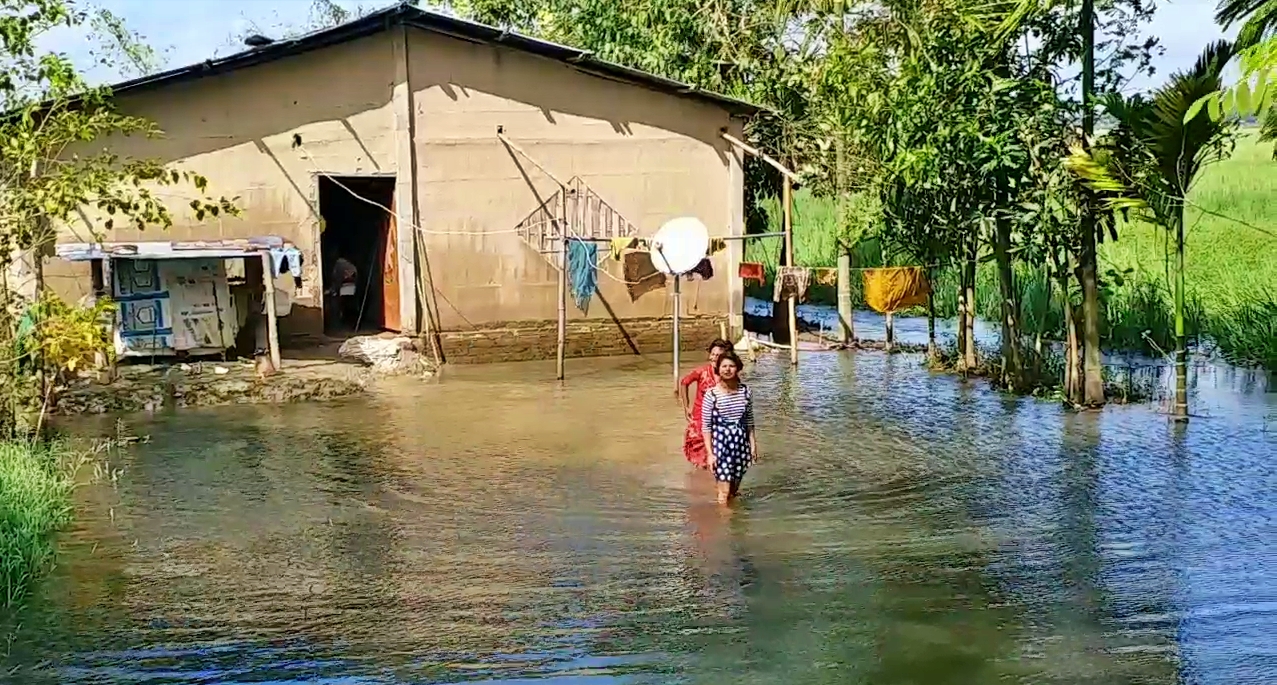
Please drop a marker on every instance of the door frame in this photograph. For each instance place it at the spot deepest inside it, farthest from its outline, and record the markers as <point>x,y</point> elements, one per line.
<point>317,230</point>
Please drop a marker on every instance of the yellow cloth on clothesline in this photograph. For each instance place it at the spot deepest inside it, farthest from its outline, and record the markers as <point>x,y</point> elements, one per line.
<point>893,289</point>
<point>824,276</point>
<point>618,246</point>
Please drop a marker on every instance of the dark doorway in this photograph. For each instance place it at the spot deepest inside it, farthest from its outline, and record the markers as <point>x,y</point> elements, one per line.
<point>360,231</point>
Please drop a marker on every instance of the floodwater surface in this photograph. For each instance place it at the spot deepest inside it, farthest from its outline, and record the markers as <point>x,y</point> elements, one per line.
<point>492,526</point>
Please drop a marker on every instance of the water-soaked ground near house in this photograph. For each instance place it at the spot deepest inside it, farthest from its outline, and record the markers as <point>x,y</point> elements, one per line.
<point>493,526</point>
<point>150,387</point>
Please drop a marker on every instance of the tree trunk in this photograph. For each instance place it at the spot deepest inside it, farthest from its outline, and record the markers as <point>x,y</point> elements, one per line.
<point>933,350</point>
<point>1088,261</point>
<point>780,308</point>
<point>1181,338</point>
<point>1072,360</point>
<point>1012,359</point>
<point>969,358</point>
<point>847,325</point>
<point>1093,366</point>
<point>44,245</point>
<point>846,314</point>
<point>961,361</point>
<point>1039,337</point>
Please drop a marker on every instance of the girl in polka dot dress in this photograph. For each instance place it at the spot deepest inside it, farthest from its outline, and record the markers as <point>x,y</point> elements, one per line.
<point>727,421</point>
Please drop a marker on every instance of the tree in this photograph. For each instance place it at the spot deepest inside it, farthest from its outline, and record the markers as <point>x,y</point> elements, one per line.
<point>1257,17</point>
<point>50,174</point>
<point>1148,164</point>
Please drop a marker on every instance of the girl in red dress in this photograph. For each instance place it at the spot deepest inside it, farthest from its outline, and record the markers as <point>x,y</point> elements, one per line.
<point>702,378</point>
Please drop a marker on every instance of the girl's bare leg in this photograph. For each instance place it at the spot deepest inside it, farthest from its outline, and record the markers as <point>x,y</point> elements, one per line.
<point>733,490</point>
<point>724,491</point>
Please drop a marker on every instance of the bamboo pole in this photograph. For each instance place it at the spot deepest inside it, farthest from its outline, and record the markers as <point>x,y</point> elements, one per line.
<point>677,343</point>
<point>846,315</point>
<point>563,305</point>
<point>525,155</point>
<point>784,170</point>
<point>788,200</point>
<point>272,321</point>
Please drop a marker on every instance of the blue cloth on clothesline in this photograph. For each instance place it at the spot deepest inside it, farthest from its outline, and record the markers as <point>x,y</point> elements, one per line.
<point>583,264</point>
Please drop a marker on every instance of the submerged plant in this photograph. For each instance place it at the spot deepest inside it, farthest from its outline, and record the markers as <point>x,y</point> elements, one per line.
<point>1148,163</point>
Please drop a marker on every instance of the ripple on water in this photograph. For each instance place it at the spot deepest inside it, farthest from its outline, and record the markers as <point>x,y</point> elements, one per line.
<point>493,527</point>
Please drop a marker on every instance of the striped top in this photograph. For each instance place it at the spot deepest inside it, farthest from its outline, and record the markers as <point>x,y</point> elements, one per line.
<point>732,407</point>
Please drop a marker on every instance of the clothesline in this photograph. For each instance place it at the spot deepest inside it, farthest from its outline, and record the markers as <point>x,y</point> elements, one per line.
<point>747,236</point>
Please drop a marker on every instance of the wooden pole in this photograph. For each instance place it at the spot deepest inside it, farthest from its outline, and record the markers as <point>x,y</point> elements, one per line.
<point>784,170</point>
<point>677,345</point>
<point>846,315</point>
<point>563,304</point>
<point>788,199</point>
<point>891,332</point>
<point>516,148</point>
<point>272,321</point>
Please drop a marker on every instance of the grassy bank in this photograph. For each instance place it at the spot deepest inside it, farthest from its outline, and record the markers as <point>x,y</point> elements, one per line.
<point>1231,267</point>
<point>36,484</point>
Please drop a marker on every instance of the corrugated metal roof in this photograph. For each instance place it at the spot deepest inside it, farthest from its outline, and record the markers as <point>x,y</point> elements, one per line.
<point>177,249</point>
<point>404,14</point>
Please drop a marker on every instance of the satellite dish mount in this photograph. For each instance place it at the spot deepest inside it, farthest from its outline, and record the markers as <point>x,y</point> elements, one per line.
<point>677,248</point>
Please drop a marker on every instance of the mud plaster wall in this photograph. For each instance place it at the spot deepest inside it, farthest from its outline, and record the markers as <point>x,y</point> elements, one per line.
<point>530,340</point>
<point>650,155</point>
<point>236,129</point>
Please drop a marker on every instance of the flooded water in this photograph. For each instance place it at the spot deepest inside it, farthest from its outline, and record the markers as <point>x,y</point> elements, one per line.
<point>494,527</point>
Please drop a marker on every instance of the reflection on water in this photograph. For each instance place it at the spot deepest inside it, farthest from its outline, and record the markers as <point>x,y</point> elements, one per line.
<point>495,527</point>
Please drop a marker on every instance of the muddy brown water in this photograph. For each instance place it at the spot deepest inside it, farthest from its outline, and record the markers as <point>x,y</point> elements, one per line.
<point>494,527</point>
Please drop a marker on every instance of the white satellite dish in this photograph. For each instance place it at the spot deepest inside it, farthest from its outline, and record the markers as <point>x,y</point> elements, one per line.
<point>680,245</point>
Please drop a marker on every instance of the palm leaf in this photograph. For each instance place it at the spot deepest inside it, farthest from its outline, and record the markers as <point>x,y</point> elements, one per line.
<point>1149,160</point>
<point>1259,17</point>
<point>1180,147</point>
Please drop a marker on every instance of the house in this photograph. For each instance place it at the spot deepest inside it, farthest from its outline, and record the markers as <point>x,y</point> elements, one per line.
<point>436,154</point>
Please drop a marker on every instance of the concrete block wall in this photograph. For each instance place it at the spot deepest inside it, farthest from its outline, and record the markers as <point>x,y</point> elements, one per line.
<point>531,340</point>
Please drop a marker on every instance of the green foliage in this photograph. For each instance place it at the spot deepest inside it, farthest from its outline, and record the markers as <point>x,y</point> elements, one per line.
<point>48,174</point>
<point>1257,17</point>
<point>1148,163</point>
<point>62,338</point>
<point>1231,268</point>
<point>36,483</point>
<point>750,49</point>
<point>55,173</point>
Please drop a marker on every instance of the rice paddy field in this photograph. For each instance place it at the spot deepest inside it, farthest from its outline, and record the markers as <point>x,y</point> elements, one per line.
<point>1231,271</point>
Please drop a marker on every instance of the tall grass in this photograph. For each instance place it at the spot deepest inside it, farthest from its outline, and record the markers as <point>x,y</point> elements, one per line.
<point>1231,268</point>
<point>36,484</point>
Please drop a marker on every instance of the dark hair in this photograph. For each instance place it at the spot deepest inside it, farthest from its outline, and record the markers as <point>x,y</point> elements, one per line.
<point>728,355</point>
<point>720,343</point>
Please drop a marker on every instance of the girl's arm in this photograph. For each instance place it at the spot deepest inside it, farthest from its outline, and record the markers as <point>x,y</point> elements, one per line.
<point>683,391</point>
<point>749,426</point>
<point>707,413</point>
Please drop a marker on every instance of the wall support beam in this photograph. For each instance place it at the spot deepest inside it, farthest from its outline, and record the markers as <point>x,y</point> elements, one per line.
<point>406,205</point>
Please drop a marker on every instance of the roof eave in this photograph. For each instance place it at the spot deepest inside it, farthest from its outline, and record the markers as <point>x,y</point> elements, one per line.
<point>463,29</point>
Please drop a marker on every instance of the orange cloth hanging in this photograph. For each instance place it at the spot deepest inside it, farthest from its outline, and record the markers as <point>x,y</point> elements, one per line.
<point>752,271</point>
<point>897,288</point>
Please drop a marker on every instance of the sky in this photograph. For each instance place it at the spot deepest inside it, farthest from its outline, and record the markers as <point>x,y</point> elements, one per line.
<point>185,32</point>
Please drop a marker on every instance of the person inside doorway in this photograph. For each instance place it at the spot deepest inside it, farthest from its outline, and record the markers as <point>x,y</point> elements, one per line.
<point>344,286</point>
